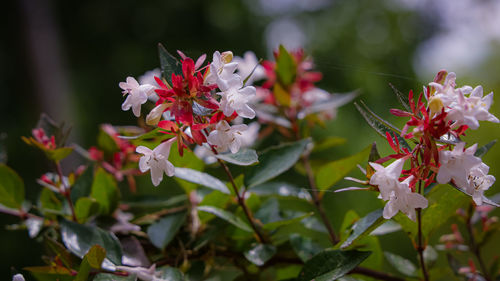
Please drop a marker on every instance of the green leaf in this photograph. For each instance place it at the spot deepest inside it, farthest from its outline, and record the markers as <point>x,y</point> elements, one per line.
<point>402,98</point>
<point>92,260</point>
<point>214,198</point>
<point>331,265</point>
<point>401,264</point>
<point>244,157</point>
<point>259,254</point>
<point>169,64</point>
<point>281,95</point>
<point>276,224</point>
<point>156,132</point>
<point>201,178</point>
<point>85,208</point>
<point>275,161</point>
<point>105,192</point>
<point>380,125</point>
<point>443,203</point>
<point>364,226</point>
<point>162,232</point>
<point>374,155</point>
<point>332,172</point>
<point>227,216</point>
<point>50,273</point>
<point>11,188</point>
<point>106,143</point>
<point>54,248</point>
<point>304,247</point>
<point>59,153</point>
<point>79,238</point>
<point>113,277</point>
<point>49,201</point>
<point>328,143</point>
<point>480,152</point>
<point>83,184</point>
<point>170,273</point>
<point>281,189</point>
<point>286,67</point>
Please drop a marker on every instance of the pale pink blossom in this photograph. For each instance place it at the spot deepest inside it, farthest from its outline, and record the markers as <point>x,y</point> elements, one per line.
<point>221,68</point>
<point>404,200</point>
<point>136,95</point>
<point>235,97</point>
<point>479,182</point>
<point>387,178</point>
<point>156,160</point>
<point>457,164</point>
<point>226,137</point>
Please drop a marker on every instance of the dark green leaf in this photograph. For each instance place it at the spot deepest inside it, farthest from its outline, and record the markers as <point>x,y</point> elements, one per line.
<point>286,67</point>
<point>244,157</point>
<point>106,142</point>
<point>83,184</point>
<point>105,192</point>
<point>274,162</point>
<point>332,172</point>
<point>480,152</point>
<point>201,178</point>
<point>364,226</point>
<point>54,248</point>
<point>374,155</point>
<point>276,224</point>
<point>304,247</point>
<point>92,260</point>
<point>227,216</point>
<point>402,98</point>
<point>50,273</point>
<point>11,188</point>
<point>380,125</point>
<point>79,238</point>
<point>401,264</point>
<point>168,63</point>
<point>113,277</point>
<point>170,273</point>
<point>162,232</point>
<point>49,201</point>
<point>331,265</point>
<point>281,189</point>
<point>86,207</point>
<point>259,254</point>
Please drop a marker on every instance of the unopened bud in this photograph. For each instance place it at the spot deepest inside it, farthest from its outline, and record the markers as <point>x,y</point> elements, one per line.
<point>155,115</point>
<point>226,56</point>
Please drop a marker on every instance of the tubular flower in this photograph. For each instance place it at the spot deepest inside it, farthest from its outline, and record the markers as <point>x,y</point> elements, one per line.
<point>226,137</point>
<point>403,199</point>
<point>457,164</point>
<point>387,178</point>
<point>137,95</point>
<point>156,160</point>
<point>479,182</point>
<point>235,98</point>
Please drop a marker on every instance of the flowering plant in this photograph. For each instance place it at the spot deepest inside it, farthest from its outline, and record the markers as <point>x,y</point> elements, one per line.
<point>224,211</point>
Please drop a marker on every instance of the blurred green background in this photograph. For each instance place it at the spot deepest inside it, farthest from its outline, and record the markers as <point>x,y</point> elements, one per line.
<point>66,58</point>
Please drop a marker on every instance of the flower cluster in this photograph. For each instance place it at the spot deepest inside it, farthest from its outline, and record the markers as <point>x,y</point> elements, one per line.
<point>439,154</point>
<point>195,105</point>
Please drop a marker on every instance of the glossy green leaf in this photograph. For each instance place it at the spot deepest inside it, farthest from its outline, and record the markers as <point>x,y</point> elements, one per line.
<point>331,264</point>
<point>83,184</point>
<point>168,63</point>
<point>244,157</point>
<point>201,178</point>
<point>164,230</point>
<point>363,227</point>
<point>54,248</point>
<point>304,247</point>
<point>401,264</point>
<point>79,238</point>
<point>380,125</point>
<point>286,67</point>
<point>214,198</point>
<point>402,98</point>
<point>105,192</point>
<point>170,273</point>
<point>276,224</point>
<point>227,216</point>
<point>259,254</point>
<point>49,201</point>
<point>480,152</point>
<point>92,260</point>
<point>334,171</point>
<point>274,162</point>
<point>11,188</point>
<point>85,208</point>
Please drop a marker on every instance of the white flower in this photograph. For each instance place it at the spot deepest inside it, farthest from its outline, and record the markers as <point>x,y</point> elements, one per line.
<point>123,225</point>
<point>386,178</point>
<point>18,277</point>
<point>142,273</point>
<point>479,182</point>
<point>470,110</point>
<point>221,67</point>
<point>247,64</point>
<point>226,137</point>
<point>149,78</point>
<point>235,98</point>
<point>156,160</point>
<point>250,135</point>
<point>457,164</point>
<point>137,95</point>
<point>404,200</point>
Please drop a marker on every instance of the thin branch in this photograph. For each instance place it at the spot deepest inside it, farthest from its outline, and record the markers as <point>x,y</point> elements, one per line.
<point>473,245</point>
<point>420,244</point>
<point>317,200</point>
<point>66,192</point>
